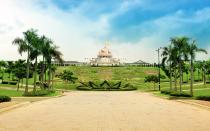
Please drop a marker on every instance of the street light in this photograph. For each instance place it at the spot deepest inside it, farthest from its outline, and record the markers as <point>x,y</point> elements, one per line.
<point>158,50</point>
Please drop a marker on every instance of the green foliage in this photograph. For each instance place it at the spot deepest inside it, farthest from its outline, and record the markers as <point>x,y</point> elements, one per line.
<point>40,93</point>
<point>174,93</point>
<point>68,76</point>
<point>206,98</point>
<point>105,85</point>
<point>10,82</point>
<point>5,99</point>
<point>20,69</point>
<point>151,78</point>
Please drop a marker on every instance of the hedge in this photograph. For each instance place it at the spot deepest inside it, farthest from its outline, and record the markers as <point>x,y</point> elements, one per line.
<point>5,99</point>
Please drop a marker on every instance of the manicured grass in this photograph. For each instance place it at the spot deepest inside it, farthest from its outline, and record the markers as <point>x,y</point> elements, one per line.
<point>201,92</point>
<point>11,93</point>
<point>128,74</point>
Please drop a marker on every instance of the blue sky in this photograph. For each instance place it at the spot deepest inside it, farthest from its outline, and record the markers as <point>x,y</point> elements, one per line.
<point>135,28</point>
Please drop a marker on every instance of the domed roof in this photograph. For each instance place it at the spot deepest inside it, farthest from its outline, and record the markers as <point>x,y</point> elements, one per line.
<point>105,52</point>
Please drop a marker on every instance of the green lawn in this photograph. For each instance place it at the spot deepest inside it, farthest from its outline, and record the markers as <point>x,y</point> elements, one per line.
<point>11,93</point>
<point>127,74</point>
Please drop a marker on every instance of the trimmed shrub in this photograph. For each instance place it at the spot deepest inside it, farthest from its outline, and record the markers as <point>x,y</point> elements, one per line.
<point>13,82</point>
<point>206,98</point>
<point>174,93</point>
<point>105,86</point>
<point>178,94</point>
<point>5,99</point>
<point>5,82</point>
<point>10,82</point>
<point>40,93</point>
<point>165,92</point>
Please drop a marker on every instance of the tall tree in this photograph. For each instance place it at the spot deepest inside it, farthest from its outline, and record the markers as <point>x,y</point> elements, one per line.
<point>35,52</point>
<point>192,50</point>
<point>20,71</point>
<point>25,44</point>
<point>168,57</point>
<point>2,69</point>
<point>52,53</point>
<point>180,46</point>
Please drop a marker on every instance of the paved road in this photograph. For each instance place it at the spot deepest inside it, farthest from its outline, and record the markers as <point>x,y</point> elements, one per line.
<point>106,111</point>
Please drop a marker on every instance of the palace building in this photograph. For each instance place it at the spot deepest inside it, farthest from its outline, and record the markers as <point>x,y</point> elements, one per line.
<point>105,58</point>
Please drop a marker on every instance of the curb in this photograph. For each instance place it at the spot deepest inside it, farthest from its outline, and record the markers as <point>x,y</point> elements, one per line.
<point>13,107</point>
<point>195,104</point>
<point>185,102</point>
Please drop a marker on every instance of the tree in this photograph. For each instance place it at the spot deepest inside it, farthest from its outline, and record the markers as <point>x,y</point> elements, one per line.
<point>25,44</point>
<point>67,76</point>
<point>180,49</point>
<point>168,57</point>
<point>152,78</point>
<point>192,50</point>
<point>53,69</point>
<point>10,68</point>
<point>20,71</point>
<point>52,53</point>
<point>35,52</point>
<point>2,68</point>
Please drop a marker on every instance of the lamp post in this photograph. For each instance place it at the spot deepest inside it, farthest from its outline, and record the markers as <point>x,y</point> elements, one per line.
<point>158,50</point>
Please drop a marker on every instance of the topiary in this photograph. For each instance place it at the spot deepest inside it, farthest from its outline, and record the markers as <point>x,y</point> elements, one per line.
<point>5,98</point>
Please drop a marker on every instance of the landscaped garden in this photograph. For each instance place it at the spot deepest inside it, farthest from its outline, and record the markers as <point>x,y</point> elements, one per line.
<point>180,75</point>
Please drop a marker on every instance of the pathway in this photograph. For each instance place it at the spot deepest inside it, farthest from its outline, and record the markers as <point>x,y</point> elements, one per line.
<point>106,111</point>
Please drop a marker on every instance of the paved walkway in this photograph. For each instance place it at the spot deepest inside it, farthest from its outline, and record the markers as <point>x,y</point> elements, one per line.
<point>106,111</point>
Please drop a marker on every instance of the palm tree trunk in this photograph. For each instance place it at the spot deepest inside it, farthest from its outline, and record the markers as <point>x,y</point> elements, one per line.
<point>180,77</point>
<point>45,71</point>
<point>204,77</point>
<point>53,75</point>
<point>22,83</point>
<point>18,84</point>
<point>191,77</point>
<point>42,72</point>
<point>27,74</point>
<point>170,76</point>
<point>49,75</point>
<point>175,79</point>
<point>35,75</point>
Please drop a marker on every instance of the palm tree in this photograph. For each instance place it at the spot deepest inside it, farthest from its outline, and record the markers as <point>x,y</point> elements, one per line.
<point>35,52</point>
<point>2,68</point>
<point>53,69</point>
<point>45,44</point>
<point>192,50</point>
<point>180,47</point>
<point>52,53</point>
<point>25,45</point>
<point>168,56</point>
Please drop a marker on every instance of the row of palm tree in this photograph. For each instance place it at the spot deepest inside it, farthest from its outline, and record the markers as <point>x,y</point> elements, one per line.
<point>35,46</point>
<point>180,51</point>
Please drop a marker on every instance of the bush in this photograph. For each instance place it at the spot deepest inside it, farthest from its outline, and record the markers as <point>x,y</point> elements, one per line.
<point>105,85</point>
<point>10,82</point>
<point>5,99</point>
<point>178,94</point>
<point>165,92</point>
<point>206,98</point>
<point>40,93</point>
<point>5,82</point>
<point>13,82</point>
<point>174,93</point>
